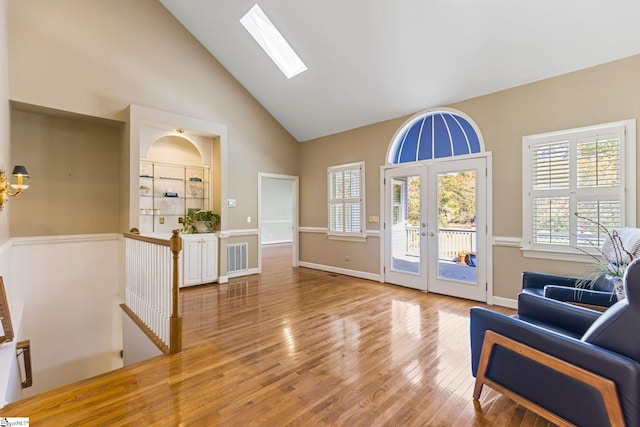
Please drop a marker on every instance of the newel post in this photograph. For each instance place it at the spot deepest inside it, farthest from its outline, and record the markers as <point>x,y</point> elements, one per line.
<point>175,344</point>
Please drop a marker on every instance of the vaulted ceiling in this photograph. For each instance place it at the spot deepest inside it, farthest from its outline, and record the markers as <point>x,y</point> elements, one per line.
<point>373,60</point>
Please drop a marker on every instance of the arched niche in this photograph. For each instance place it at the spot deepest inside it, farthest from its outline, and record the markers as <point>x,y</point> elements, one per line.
<point>148,126</point>
<point>175,149</point>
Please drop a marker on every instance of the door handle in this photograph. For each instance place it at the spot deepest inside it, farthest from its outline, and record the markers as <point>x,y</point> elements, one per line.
<point>432,234</point>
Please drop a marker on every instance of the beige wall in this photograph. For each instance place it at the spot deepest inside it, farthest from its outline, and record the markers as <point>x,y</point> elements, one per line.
<point>74,175</point>
<point>354,256</point>
<point>4,113</point>
<point>96,57</point>
<point>596,95</point>
<point>367,143</point>
<point>601,94</point>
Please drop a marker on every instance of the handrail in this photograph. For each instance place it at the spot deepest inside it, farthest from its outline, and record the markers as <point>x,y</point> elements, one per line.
<point>152,288</point>
<point>164,348</point>
<point>149,239</point>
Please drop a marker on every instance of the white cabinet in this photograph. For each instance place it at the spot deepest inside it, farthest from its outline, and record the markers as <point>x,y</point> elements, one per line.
<point>199,258</point>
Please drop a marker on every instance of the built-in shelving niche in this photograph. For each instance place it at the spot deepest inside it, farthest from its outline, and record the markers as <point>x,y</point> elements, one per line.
<point>174,179</point>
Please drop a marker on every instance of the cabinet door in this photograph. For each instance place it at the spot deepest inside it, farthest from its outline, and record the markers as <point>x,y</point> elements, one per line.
<point>192,262</point>
<point>209,259</point>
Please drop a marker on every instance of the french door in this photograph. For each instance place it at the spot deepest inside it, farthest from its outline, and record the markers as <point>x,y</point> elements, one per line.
<point>435,227</point>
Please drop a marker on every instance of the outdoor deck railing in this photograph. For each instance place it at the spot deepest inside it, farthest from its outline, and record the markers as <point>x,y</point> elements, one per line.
<point>451,241</point>
<point>151,288</point>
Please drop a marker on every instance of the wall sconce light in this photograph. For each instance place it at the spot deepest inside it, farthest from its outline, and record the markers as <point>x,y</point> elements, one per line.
<point>20,172</point>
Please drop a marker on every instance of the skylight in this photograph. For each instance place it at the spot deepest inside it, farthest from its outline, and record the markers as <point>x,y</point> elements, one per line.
<point>272,42</point>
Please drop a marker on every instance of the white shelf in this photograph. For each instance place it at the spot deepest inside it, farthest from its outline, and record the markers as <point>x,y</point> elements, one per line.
<point>159,213</point>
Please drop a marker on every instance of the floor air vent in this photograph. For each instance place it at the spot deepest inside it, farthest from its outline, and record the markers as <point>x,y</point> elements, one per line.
<point>237,257</point>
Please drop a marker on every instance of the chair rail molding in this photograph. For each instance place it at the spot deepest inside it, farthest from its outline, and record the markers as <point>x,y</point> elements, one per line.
<point>512,242</point>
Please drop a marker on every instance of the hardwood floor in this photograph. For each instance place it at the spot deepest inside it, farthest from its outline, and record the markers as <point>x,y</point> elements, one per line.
<point>295,346</point>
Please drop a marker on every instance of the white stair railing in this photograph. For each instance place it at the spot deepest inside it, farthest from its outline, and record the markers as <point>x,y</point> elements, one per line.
<point>151,288</point>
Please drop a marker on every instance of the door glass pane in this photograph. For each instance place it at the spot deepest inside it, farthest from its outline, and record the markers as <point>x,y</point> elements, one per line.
<point>406,227</point>
<point>457,226</point>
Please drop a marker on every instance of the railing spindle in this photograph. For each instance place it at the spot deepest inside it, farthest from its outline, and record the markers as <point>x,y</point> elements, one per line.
<point>151,291</point>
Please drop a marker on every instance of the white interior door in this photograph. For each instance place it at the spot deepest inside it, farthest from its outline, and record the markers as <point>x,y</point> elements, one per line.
<point>435,227</point>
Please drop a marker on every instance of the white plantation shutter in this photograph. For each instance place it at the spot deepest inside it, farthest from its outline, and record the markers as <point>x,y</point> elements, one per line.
<point>551,220</point>
<point>607,213</point>
<point>580,171</point>
<point>599,169</point>
<point>550,171</point>
<point>599,161</point>
<point>346,199</point>
<point>551,165</point>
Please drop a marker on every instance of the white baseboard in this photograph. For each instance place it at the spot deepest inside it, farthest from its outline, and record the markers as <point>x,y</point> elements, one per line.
<point>346,272</point>
<point>505,302</point>
<point>248,272</point>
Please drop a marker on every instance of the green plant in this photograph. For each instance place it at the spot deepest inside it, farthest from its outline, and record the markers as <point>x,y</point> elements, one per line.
<point>211,221</point>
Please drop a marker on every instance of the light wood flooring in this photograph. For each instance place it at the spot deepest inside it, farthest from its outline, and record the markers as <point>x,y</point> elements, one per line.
<point>300,347</point>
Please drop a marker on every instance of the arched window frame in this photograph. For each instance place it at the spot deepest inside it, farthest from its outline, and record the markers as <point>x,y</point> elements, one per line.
<point>401,132</point>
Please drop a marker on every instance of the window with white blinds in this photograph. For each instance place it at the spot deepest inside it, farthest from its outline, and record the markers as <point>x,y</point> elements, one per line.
<point>346,199</point>
<point>398,211</point>
<point>574,180</point>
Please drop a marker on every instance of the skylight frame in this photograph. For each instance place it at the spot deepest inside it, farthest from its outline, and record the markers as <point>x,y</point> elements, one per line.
<point>256,22</point>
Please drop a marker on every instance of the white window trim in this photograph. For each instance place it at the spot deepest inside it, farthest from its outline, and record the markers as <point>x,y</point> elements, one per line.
<point>360,236</point>
<point>628,153</point>
<point>403,203</point>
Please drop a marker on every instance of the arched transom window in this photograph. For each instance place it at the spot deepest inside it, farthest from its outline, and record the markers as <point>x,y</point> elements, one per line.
<point>435,134</point>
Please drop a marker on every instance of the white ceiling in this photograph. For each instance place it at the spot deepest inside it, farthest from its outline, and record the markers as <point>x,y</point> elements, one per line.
<point>373,60</point>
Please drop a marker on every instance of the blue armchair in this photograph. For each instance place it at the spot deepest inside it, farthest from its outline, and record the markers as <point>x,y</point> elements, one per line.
<point>563,288</point>
<point>564,362</point>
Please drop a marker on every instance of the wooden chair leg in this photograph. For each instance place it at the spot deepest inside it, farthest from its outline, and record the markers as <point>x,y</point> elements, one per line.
<point>485,355</point>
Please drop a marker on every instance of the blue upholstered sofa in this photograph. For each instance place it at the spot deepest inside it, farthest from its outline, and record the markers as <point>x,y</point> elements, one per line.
<point>565,362</point>
<point>563,288</point>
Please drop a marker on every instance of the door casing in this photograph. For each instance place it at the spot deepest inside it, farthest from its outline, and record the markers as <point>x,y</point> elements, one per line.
<point>487,245</point>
